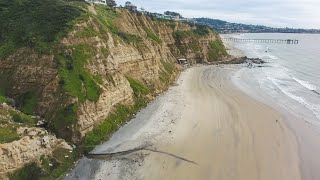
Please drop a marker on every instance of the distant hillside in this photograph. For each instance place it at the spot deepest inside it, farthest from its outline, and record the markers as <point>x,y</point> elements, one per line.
<point>227,27</point>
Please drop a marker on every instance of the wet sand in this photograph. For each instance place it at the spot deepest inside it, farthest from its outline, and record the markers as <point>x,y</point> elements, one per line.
<point>202,128</point>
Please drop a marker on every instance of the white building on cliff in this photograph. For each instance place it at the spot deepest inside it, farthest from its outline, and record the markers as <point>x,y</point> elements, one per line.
<point>104,2</point>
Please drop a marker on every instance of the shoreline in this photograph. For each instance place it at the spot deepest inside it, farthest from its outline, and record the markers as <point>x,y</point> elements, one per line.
<point>307,138</point>
<point>206,120</point>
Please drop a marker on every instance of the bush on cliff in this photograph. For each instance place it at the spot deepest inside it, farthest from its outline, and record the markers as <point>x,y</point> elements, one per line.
<point>36,24</point>
<point>216,51</point>
<point>74,77</point>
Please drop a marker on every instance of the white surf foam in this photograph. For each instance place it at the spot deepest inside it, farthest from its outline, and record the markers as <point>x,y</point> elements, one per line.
<point>314,108</point>
<point>306,84</point>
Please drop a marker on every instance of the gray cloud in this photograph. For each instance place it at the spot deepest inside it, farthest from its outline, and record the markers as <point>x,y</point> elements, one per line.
<point>278,13</point>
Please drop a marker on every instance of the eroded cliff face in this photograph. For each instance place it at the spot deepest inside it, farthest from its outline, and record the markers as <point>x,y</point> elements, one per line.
<point>76,86</point>
<point>121,44</point>
<point>142,60</point>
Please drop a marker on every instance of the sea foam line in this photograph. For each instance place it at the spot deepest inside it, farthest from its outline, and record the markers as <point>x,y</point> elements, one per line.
<point>314,108</point>
<point>306,84</point>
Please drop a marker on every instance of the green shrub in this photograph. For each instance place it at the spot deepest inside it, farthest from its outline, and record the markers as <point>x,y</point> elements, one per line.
<point>28,172</point>
<point>129,38</point>
<point>106,18</point>
<point>62,161</point>
<point>216,50</point>
<point>164,77</point>
<point>120,115</point>
<point>153,36</point>
<point>16,118</point>
<point>195,46</point>
<point>110,125</point>
<point>63,119</point>
<point>88,32</point>
<point>3,99</point>
<point>27,102</point>
<point>169,67</point>
<point>51,167</point>
<point>74,77</point>
<point>105,52</point>
<point>180,35</point>
<point>22,118</point>
<point>201,30</point>
<point>8,134</point>
<point>138,88</point>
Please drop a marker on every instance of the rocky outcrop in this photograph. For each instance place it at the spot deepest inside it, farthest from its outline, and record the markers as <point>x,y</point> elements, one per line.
<point>34,143</point>
<point>241,60</point>
<point>31,142</point>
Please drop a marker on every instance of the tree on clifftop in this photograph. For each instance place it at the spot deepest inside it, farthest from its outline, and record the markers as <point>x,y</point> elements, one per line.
<point>111,3</point>
<point>170,13</point>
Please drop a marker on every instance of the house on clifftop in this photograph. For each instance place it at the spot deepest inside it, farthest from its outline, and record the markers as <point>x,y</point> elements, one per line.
<point>104,2</point>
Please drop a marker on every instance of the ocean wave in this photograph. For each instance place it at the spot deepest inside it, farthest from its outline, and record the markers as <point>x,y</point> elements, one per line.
<point>306,84</point>
<point>314,108</point>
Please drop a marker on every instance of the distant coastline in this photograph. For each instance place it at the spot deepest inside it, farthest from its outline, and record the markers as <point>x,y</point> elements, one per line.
<point>225,27</point>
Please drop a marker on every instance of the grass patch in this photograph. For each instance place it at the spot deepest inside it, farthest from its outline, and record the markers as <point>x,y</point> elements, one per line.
<point>153,36</point>
<point>112,123</point>
<point>180,35</point>
<point>3,99</point>
<point>50,168</point>
<point>106,18</point>
<point>63,119</point>
<point>195,46</point>
<point>87,32</point>
<point>98,78</point>
<point>201,30</point>
<point>30,171</point>
<point>165,76</point>
<point>130,38</point>
<point>169,67</point>
<point>74,77</point>
<point>21,118</point>
<point>216,51</point>
<point>192,36</point>
<point>138,88</point>
<point>119,116</point>
<point>28,23</point>
<point>61,160</point>
<point>105,52</point>
<point>8,134</point>
<point>5,82</point>
<point>27,102</point>
<point>106,128</point>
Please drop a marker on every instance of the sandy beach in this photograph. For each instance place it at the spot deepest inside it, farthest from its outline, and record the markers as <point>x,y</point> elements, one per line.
<point>201,128</point>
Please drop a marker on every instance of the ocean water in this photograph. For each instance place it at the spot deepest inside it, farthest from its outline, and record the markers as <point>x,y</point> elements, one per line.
<point>290,78</point>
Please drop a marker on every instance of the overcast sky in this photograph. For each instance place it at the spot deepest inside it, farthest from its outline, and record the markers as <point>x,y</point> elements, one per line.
<point>276,13</point>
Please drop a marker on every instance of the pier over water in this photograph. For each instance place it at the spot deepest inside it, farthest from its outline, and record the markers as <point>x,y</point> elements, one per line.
<point>278,41</point>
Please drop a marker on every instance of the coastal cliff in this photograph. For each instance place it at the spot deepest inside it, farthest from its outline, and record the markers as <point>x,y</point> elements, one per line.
<point>87,76</point>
